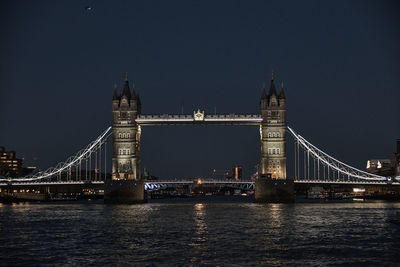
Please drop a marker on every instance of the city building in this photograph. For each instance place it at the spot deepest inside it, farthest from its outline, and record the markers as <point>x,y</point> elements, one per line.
<point>10,165</point>
<point>237,172</point>
<point>386,167</point>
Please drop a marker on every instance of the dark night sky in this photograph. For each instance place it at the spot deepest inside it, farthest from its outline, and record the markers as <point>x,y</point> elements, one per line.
<point>339,61</point>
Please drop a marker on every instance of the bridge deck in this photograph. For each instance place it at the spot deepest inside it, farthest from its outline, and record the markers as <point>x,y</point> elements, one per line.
<point>187,182</point>
<point>230,119</point>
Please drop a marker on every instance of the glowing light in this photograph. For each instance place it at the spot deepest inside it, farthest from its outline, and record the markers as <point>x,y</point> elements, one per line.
<point>199,181</point>
<point>358,190</point>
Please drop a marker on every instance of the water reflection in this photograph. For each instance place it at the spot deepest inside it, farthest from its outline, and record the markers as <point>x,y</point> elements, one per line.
<point>275,214</point>
<point>199,239</point>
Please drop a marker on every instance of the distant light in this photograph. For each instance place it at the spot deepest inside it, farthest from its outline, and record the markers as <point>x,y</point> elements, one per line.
<point>199,181</point>
<point>214,170</point>
<point>368,164</point>
<point>379,164</point>
<point>358,190</point>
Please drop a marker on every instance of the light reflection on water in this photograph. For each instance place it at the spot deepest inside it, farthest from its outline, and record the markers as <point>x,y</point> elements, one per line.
<point>199,234</point>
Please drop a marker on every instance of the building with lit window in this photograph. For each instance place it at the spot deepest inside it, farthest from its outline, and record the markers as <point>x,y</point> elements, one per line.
<point>9,164</point>
<point>386,167</point>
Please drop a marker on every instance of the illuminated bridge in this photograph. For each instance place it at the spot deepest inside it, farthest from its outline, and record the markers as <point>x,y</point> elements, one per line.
<point>312,166</point>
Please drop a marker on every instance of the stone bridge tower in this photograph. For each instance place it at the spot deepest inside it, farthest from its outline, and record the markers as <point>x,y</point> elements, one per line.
<point>272,131</point>
<point>126,134</point>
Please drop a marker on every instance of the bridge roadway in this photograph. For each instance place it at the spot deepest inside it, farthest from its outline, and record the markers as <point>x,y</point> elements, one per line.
<point>195,181</point>
<point>176,119</point>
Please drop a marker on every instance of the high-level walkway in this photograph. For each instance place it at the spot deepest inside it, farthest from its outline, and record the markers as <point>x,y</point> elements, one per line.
<point>174,119</point>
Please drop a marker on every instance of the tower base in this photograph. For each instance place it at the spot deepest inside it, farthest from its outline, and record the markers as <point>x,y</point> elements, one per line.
<point>269,190</point>
<point>124,192</point>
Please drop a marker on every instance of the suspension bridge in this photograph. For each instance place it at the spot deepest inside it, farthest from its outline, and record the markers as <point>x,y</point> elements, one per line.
<point>311,165</point>
<point>124,183</point>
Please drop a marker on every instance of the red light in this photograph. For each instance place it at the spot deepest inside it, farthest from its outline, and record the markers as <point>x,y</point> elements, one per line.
<point>214,170</point>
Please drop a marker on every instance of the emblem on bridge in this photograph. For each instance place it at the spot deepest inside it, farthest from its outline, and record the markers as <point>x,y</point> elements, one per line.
<point>198,115</point>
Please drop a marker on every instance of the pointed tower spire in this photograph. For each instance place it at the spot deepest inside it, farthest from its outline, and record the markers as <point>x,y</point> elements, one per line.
<point>133,96</point>
<point>126,91</point>
<point>272,90</point>
<point>115,96</point>
<point>282,93</point>
<point>272,75</point>
<point>263,93</point>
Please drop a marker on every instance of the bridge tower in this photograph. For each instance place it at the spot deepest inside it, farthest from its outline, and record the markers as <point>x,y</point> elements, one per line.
<point>272,131</point>
<point>126,185</point>
<point>271,184</point>
<point>126,134</point>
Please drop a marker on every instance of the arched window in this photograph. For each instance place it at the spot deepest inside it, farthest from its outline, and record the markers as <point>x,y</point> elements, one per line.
<point>269,135</point>
<point>120,135</point>
<point>273,151</point>
<point>278,151</point>
<point>128,135</point>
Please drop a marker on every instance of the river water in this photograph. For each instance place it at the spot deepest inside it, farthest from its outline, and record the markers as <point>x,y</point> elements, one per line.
<point>199,232</point>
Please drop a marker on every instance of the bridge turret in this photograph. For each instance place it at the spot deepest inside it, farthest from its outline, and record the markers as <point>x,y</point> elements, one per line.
<point>116,98</point>
<point>126,92</point>
<point>264,98</point>
<point>134,100</point>
<point>272,95</point>
<point>282,97</point>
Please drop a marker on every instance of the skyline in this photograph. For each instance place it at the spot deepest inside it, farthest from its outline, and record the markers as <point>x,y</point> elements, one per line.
<point>64,63</point>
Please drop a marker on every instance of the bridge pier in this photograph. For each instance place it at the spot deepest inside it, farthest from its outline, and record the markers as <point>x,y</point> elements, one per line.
<point>126,191</point>
<point>270,190</point>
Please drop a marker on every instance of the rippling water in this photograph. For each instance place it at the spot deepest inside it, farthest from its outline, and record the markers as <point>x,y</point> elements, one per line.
<point>194,233</point>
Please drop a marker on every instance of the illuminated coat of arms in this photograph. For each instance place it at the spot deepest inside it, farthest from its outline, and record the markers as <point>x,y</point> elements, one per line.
<point>198,115</point>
